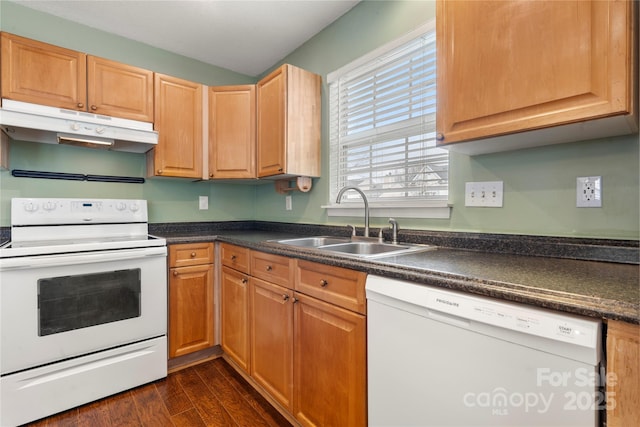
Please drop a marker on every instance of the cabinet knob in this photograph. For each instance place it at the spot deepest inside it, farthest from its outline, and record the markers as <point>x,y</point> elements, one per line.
<point>193,254</point>
<point>440,136</point>
<point>295,300</point>
<point>279,169</point>
<point>175,273</point>
<point>285,297</point>
<point>94,108</point>
<point>159,171</point>
<point>269,268</point>
<point>244,280</point>
<point>210,175</point>
<point>323,283</point>
<point>233,257</point>
<point>80,105</point>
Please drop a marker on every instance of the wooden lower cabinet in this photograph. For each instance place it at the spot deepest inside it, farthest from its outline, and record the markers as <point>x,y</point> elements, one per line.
<point>330,364</point>
<point>272,340</point>
<point>234,316</point>
<point>191,300</point>
<point>623,374</point>
<point>191,309</point>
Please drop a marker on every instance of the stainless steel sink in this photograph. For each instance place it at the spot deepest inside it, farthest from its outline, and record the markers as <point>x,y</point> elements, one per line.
<point>356,248</point>
<point>314,241</point>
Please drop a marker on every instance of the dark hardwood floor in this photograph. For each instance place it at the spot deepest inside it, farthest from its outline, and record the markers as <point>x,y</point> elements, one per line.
<point>208,394</point>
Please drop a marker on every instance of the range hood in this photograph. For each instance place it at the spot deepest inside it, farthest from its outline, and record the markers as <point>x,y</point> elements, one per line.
<point>38,123</point>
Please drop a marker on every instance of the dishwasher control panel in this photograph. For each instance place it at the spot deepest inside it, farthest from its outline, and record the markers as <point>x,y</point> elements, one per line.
<point>530,320</point>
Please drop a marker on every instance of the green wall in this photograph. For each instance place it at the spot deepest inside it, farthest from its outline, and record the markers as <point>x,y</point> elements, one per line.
<point>170,199</point>
<point>539,183</point>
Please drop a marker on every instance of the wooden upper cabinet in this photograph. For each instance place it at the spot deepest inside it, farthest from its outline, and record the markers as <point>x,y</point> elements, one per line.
<point>45,74</point>
<point>232,131</point>
<point>119,90</point>
<point>511,66</point>
<point>178,120</point>
<point>289,117</point>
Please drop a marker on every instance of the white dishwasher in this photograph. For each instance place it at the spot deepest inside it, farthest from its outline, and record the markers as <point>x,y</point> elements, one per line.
<point>443,358</point>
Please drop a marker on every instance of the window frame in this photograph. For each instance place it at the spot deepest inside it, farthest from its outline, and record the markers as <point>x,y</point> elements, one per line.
<point>408,209</point>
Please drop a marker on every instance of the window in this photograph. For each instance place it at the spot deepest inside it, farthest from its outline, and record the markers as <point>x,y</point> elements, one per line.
<point>382,127</point>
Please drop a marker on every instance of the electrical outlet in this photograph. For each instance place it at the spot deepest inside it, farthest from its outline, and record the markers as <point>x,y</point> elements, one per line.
<point>589,192</point>
<point>483,194</point>
<point>287,203</point>
<point>203,203</point>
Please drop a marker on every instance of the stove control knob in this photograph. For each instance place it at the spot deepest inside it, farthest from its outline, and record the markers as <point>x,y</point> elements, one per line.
<point>100,130</point>
<point>49,206</point>
<point>75,126</point>
<point>31,207</point>
<point>134,207</point>
<point>121,206</point>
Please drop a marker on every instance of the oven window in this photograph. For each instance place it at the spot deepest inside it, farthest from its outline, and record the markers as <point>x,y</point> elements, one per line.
<point>73,302</point>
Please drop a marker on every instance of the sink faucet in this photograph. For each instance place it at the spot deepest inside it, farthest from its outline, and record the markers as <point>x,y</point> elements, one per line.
<point>366,206</point>
<point>394,230</point>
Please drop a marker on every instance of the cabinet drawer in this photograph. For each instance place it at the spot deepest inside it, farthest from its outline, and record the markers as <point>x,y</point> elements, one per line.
<point>335,285</point>
<point>272,268</point>
<point>235,257</point>
<point>190,254</point>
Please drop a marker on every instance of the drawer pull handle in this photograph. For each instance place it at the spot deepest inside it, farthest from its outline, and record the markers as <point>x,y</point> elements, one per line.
<point>269,268</point>
<point>80,105</point>
<point>285,297</point>
<point>295,300</point>
<point>233,257</point>
<point>323,283</point>
<point>193,254</point>
<point>244,280</point>
<point>175,273</point>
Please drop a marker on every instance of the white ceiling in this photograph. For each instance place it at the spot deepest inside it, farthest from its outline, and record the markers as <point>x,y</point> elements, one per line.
<point>246,36</point>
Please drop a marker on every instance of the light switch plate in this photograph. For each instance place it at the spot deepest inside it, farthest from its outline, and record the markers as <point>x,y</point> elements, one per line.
<point>486,194</point>
<point>203,202</point>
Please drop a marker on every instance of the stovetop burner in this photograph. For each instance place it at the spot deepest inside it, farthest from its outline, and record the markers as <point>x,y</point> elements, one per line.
<point>52,226</point>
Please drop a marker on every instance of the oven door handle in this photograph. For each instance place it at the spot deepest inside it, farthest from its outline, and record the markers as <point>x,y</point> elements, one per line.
<point>81,258</point>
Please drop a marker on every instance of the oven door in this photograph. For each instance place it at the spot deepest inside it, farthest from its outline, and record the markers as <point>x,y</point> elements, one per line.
<point>57,307</point>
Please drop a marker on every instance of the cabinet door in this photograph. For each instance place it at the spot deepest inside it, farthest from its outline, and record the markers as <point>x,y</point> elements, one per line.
<point>119,90</point>
<point>178,120</point>
<point>272,339</point>
<point>232,131</point>
<point>190,309</point>
<point>330,364</point>
<point>234,316</point>
<point>272,123</point>
<point>623,374</point>
<point>510,66</point>
<point>44,74</point>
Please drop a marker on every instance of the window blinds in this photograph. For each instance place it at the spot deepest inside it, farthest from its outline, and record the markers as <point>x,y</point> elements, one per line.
<point>382,127</point>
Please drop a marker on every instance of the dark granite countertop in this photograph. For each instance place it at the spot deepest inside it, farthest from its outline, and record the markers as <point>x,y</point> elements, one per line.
<point>607,290</point>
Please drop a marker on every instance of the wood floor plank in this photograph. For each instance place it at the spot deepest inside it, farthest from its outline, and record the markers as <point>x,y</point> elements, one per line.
<point>63,419</point>
<point>209,407</point>
<point>253,397</point>
<point>230,398</point>
<point>189,418</point>
<point>173,395</point>
<point>94,414</point>
<point>150,407</point>
<point>122,410</point>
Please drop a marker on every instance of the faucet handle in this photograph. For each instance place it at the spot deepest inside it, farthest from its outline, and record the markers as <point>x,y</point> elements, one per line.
<point>353,229</point>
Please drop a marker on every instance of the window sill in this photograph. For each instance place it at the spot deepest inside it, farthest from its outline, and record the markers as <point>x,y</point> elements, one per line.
<point>431,211</point>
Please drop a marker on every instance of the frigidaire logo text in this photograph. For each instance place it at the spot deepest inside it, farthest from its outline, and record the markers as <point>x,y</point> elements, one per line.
<point>447,302</point>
